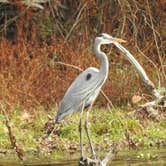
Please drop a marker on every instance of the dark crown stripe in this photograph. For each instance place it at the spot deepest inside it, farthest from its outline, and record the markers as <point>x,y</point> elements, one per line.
<point>100,35</point>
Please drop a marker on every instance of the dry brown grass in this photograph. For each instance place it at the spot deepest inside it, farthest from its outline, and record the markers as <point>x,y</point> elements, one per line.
<point>29,75</point>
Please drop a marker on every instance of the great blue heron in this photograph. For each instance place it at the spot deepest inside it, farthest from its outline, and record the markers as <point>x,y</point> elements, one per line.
<point>86,87</point>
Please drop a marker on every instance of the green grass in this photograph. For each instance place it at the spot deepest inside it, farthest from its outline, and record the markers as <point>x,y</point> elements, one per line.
<point>105,127</point>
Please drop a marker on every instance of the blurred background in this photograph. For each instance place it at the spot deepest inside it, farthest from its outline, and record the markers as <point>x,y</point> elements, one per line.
<point>35,35</point>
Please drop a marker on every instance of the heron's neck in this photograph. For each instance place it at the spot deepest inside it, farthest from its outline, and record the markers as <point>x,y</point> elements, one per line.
<point>104,60</point>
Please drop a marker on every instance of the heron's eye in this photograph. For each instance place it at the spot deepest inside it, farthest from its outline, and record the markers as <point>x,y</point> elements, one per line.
<point>88,76</point>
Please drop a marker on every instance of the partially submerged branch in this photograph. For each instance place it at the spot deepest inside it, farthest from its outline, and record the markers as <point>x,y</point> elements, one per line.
<point>97,162</point>
<point>111,154</point>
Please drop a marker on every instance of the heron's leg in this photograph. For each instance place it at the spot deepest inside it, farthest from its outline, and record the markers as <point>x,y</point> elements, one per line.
<point>87,132</point>
<point>80,130</point>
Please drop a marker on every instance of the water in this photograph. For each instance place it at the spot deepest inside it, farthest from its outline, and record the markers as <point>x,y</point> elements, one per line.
<point>148,157</point>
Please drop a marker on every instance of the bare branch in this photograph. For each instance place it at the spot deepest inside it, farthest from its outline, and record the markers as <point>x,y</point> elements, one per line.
<point>155,39</point>
<point>110,155</point>
<point>13,141</point>
<point>76,21</point>
<point>148,83</point>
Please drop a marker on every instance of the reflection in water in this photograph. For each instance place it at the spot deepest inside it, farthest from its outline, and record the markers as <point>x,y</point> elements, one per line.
<point>149,157</point>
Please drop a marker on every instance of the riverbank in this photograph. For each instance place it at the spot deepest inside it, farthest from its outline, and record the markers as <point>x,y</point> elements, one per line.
<point>36,133</point>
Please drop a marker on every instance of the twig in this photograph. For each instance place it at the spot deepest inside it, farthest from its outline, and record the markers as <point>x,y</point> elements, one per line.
<point>10,21</point>
<point>106,97</point>
<point>155,39</point>
<point>76,21</point>
<point>13,142</point>
<point>69,65</point>
<point>130,141</point>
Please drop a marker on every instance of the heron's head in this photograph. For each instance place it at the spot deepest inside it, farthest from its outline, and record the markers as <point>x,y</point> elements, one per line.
<point>104,38</point>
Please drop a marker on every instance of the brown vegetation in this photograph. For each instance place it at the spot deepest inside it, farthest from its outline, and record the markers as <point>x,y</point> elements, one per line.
<point>33,40</point>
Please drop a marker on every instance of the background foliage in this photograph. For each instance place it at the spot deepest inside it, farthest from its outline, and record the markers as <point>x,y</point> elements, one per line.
<point>32,41</point>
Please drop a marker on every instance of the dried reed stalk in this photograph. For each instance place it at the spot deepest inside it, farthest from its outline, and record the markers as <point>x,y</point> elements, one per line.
<point>18,149</point>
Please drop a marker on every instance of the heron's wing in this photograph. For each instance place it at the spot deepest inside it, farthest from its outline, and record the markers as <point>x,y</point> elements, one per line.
<point>85,84</point>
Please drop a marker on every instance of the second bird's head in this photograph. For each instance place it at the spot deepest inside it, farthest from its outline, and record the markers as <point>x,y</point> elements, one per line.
<point>104,38</point>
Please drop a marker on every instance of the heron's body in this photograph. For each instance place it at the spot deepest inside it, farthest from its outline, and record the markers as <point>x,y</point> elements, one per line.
<point>86,87</point>
<point>71,101</point>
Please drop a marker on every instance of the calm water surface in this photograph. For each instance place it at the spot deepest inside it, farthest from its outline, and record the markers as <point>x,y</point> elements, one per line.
<point>148,157</point>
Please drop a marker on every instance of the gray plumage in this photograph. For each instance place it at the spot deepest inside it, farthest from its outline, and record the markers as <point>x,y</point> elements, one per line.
<point>86,87</point>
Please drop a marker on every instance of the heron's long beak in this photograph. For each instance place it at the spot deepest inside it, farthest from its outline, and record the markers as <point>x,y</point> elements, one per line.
<point>118,40</point>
